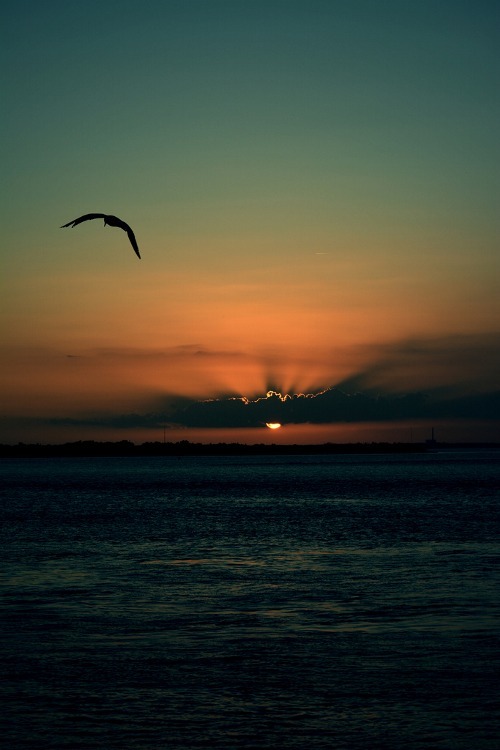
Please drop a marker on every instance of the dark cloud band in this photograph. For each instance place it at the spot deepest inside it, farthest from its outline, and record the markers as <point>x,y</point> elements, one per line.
<point>331,406</point>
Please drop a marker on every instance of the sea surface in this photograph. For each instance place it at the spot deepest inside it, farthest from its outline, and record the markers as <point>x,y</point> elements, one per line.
<point>251,602</point>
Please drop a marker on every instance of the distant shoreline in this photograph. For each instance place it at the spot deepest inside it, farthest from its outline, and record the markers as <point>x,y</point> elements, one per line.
<point>125,448</point>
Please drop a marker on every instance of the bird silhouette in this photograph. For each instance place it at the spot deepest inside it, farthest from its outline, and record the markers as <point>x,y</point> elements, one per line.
<point>112,221</point>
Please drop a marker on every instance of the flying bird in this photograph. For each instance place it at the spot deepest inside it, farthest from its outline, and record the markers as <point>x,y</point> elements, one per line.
<point>112,221</point>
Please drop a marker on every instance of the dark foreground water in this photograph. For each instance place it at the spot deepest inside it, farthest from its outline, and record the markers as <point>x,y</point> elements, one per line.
<point>317,602</point>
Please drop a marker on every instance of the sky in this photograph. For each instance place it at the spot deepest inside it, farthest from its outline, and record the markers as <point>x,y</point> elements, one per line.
<point>313,185</point>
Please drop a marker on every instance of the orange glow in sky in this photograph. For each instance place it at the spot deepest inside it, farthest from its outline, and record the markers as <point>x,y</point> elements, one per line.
<point>290,243</point>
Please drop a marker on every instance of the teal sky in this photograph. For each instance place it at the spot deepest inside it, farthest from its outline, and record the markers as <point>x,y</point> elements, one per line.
<point>326,172</point>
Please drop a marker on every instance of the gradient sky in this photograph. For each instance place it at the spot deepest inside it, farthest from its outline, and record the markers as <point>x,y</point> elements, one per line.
<point>314,188</point>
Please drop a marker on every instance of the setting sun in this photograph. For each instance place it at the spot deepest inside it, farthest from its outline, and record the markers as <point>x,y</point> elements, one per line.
<point>273,425</point>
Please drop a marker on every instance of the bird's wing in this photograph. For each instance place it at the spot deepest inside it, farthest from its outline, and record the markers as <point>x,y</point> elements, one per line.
<point>123,225</point>
<point>133,241</point>
<point>86,217</point>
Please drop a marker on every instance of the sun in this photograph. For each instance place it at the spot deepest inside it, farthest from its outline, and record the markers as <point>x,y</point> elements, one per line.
<point>273,425</point>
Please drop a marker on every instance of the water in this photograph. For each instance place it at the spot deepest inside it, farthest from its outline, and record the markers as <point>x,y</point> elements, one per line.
<point>251,602</point>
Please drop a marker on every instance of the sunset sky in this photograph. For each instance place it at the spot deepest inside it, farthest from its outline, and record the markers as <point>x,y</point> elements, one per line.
<point>314,187</point>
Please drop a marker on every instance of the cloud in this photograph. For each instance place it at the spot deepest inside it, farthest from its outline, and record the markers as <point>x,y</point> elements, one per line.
<point>456,377</point>
<point>335,406</point>
<point>458,364</point>
<point>331,406</point>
